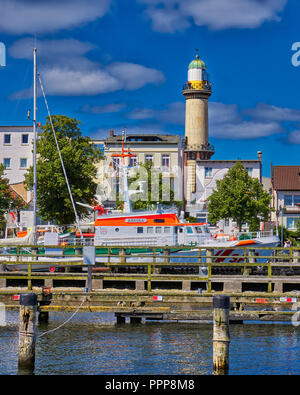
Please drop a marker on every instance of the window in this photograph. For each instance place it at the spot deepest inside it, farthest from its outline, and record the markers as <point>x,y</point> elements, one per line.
<point>296,200</point>
<point>6,162</point>
<point>165,161</point>
<point>167,229</point>
<point>25,139</point>
<point>288,200</point>
<point>115,163</point>
<point>140,229</point>
<point>150,229</point>
<point>149,158</point>
<point>208,172</point>
<point>291,222</point>
<point>159,220</point>
<point>291,200</point>
<point>158,229</point>
<point>189,230</point>
<point>132,162</point>
<point>249,170</point>
<point>23,163</point>
<point>7,139</point>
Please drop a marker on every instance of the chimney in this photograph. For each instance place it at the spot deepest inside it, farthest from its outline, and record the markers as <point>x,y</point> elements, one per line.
<point>111,133</point>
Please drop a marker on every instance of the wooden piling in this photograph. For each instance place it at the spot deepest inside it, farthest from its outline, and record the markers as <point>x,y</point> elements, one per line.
<point>221,337</point>
<point>27,330</point>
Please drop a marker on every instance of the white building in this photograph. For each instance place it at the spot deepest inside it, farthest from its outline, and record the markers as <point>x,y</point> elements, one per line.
<point>16,145</point>
<point>286,195</point>
<point>163,151</point>
<point>207,173</point>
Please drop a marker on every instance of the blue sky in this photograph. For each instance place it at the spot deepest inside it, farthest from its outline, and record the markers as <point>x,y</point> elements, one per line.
<point>115,64</point>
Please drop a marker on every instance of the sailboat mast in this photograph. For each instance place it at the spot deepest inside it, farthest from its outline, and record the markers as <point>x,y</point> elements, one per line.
<point>34,145</point>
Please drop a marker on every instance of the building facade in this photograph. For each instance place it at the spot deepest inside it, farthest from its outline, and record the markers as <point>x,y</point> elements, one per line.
<point>163,151</point>
<point>16,145</point>
<point>207,173</point>
<point>285,183</point>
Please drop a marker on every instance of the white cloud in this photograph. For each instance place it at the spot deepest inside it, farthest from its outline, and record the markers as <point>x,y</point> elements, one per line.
<point>269,112</point>
<point>66,71</point>
<point>173,113</point>
<point>225,121</point>
<point>172,15</point>
<point>245,130</point>
<point>293,137</point>
<point>134,76</point>
<point>108,108</point>
<point>49,50</point>
<point>32,16</point>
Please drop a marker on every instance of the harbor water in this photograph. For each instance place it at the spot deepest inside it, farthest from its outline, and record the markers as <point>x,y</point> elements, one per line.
<point>92,344</point>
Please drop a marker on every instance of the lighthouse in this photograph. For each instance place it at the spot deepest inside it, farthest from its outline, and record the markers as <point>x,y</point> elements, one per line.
<point>196,91</point>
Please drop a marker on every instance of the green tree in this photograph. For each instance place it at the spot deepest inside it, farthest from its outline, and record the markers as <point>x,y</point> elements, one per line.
<point>155,188</point>
<point>7,200</point>
<point>240,197</point>
<point>79,157</point>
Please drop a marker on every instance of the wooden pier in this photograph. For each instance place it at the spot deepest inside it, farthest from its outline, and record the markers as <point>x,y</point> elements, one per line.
<point>157,288</point>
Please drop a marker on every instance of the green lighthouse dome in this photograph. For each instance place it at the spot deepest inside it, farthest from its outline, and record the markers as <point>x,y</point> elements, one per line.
<point>197,64</point>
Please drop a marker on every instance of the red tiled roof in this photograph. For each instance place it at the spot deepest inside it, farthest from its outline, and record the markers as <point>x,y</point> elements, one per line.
<point>286,178</point>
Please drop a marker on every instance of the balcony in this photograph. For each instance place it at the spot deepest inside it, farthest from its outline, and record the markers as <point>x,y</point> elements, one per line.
<point>201,85</point>
<point>295,209</point>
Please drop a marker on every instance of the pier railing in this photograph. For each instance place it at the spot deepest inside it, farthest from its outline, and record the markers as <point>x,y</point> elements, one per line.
<point>149,264</point>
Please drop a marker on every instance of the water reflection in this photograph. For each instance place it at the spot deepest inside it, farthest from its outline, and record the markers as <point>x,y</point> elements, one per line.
<point>93,344</point>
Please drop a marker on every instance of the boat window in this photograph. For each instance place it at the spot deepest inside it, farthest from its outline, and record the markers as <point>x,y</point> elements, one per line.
<point>117,229</point>
<point>189,230</point>
<point>150,229</point>
<point>180,230</point>
<point>140,229</point>
<point>167,229</point>
<point>158,229</point>
<point>159,220</point>
<point>198,229</point>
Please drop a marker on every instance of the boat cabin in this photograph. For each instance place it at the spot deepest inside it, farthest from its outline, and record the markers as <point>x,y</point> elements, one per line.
<point>151,230</point>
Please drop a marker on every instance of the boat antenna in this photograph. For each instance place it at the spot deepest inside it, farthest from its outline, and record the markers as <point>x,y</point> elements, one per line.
<point>125,153</point>
<point>61,159</point>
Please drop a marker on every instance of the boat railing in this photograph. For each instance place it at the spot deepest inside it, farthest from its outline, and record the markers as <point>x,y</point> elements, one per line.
<point>244,235</point>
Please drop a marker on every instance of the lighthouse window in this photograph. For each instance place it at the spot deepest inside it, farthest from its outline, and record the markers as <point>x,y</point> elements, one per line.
<point>140,229</point>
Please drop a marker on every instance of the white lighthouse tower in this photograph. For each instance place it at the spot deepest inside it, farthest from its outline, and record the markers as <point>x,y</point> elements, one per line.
<point>196,91</point>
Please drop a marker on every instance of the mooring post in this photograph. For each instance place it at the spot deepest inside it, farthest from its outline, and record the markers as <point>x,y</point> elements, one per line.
<point>27,330</point>
<point>221,337</point>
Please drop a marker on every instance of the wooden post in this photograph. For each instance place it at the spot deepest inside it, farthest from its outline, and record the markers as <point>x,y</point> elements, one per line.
<point>27,330</point>
<point>221,338</point>
<point>120,320</point>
